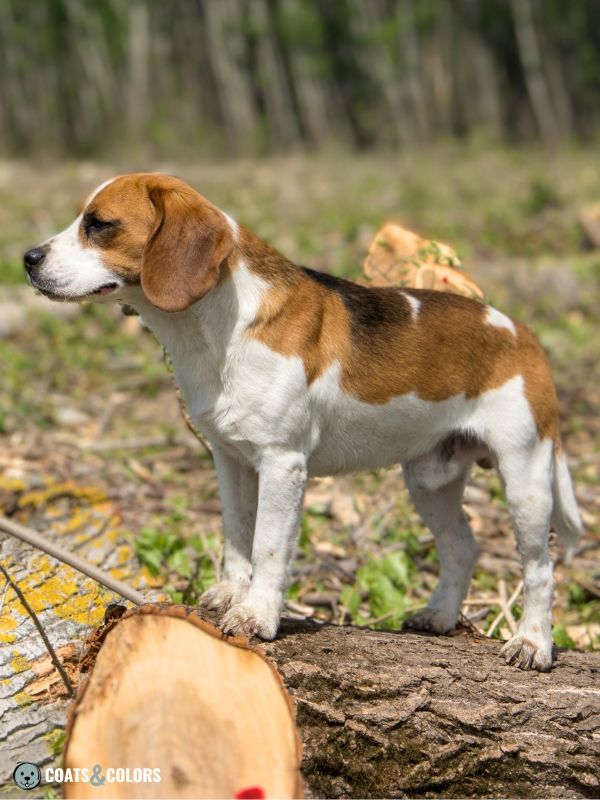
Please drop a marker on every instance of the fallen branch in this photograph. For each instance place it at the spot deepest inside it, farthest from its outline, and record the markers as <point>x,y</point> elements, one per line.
<point>55,659</point>
<point>505,606</point>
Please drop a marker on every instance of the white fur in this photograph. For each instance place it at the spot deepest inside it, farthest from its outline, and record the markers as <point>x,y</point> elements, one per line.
<point>98,189</point>
<point>270,430</point>
<point>233,226</point>
<point>262,417</point>
<point>70,270</point>
<point>499,320</point>
<point>415,305</point>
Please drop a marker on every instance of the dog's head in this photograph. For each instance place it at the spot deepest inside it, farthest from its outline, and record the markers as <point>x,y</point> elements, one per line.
<point>147,229</point>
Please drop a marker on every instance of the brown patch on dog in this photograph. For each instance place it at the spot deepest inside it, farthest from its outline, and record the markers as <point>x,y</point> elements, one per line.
<point>160,233</point>
<point>448,350</point>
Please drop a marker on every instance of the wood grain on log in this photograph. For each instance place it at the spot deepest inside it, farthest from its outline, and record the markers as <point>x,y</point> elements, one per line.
<point>169,692</point>
<point>409,715</point>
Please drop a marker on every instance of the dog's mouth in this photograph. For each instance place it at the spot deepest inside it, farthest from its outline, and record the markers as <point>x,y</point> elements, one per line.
<point>53,293</point>
<point>106,288</point>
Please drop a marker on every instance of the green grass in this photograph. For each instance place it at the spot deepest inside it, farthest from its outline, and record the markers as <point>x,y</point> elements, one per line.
<point>181,559</point>
<point>11,272</point>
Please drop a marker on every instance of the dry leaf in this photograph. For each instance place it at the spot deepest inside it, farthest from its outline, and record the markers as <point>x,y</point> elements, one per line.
<point>342,509</point>
<point>589,219</point>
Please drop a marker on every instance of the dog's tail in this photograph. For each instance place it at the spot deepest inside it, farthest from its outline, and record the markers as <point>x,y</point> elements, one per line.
<point>565,514</point>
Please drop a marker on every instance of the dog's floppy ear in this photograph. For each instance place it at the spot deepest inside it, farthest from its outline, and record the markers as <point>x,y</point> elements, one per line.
<point>189,241</point>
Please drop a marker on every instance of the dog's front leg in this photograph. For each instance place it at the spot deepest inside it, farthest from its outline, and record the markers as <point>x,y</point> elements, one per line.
<point>238,487</point>
<point>282,480</point>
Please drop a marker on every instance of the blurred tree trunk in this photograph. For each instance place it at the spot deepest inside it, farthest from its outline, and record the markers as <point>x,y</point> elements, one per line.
<point>396,121</point>
<point>138,68</point>
<point>279,73</point>
<point>531,60</point>
<point>311,94</point>
<point>279,105</point>
<point>410,52</point>
<point>439,68</point>
<point>224,45</point>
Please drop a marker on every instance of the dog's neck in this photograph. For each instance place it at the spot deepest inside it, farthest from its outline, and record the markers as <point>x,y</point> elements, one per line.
<point>215,323</point>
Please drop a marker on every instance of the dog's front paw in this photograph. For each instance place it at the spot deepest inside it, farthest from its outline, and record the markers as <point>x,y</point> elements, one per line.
<point>244,619</point>
<point>432,620</point>
<point>524,653</point>
<point>219,598</point>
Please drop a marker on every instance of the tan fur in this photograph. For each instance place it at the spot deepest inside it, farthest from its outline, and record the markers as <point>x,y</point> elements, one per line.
<point>449,350</point>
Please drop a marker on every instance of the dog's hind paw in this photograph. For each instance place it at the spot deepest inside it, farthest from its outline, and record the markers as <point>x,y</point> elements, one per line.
<point>432,620</point>
<point>525,654</point>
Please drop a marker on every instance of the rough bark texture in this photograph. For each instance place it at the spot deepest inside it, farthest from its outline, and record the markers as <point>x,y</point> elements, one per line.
<point>408,715</point>
<point>33,698</point>
<point>385,714</point>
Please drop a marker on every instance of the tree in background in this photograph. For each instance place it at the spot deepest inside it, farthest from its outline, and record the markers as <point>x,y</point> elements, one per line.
<point>261,76</point>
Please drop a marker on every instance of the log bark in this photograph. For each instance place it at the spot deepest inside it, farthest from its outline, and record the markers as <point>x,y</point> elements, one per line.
<point>386,714</point>
<point>33,697</point>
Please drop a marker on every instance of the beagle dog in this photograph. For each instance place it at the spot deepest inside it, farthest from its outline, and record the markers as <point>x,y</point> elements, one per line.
<point>292,373</point>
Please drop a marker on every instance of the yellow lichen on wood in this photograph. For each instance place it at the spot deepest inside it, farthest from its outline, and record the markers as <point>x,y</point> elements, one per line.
<point>14,485</point>
<point>18,662</point>
<point>8,626</point>
<point>92,495</point>
<point>79,517</point>
<point>22,699</point>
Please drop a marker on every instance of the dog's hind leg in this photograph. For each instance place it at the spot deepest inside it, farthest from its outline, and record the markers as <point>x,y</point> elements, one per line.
<point>441,509</point>
<point>527,478</point>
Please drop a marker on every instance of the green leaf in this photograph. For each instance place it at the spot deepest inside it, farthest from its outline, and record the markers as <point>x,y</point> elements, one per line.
<point>561,638</point>
<point>180,562</point>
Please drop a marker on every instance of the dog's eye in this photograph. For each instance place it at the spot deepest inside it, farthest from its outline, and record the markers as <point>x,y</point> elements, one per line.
<point>93,224</point>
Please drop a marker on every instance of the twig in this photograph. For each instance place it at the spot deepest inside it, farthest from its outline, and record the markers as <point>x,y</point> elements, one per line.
<point>509,604</point>
<point>477,616</point>
<point>376,620</point>
<point>359,532</point>
<point>504,605</point>
<point>300,608</point>
<point>135,443</point>
<point>56,551</point>
<point>481,601</point>
<point>6,585</point>
<point>55,659</point>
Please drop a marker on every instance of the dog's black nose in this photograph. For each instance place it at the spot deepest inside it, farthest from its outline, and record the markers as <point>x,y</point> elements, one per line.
<point>33,258</point>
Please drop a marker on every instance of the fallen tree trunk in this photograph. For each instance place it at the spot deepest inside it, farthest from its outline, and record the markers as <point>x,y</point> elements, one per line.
<point>409,715</point>
<point>384,714</point>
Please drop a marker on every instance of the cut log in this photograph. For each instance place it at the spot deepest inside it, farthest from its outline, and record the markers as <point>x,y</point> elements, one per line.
<point>169,692</point>
<point>399,257</point>
<point>380,714</point>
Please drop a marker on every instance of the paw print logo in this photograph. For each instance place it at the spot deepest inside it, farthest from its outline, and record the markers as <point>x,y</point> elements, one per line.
<point>27,775</point>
